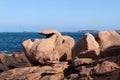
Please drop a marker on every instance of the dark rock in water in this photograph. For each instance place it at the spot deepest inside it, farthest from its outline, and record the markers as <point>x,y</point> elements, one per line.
<point>15,61</point>
<point>45,51</point>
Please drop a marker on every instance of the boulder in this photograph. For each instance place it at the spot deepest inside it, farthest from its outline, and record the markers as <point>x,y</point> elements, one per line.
<point>54,47</point>
<point>108,39</point>
<point>109,42</point>
<point>86,47</point>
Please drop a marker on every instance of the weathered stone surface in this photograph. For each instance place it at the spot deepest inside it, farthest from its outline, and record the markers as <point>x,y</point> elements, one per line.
<point>82,61</point>
<point>108,39</point>
<point>27,45</point>
<point>59,76</point>
<point>97,68</point>
<point>109,52</point>
<point>21,74</point>
<point>87,47</point>
<point>109,42</point>
<point>105,67</point>
<point>15,61</point>
<point>64,47</point>
<point>114,75</point>
<point>3,67</point>
<point>54,47</point>
<point>21,59</point>
<point>84,72</point>
<point>55,71</point>
<point>89,60</point>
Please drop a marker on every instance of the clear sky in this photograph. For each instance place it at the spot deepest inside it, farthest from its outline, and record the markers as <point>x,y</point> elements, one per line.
<point>63,15</point>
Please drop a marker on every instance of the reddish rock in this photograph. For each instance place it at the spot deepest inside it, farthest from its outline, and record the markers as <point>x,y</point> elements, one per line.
<point>87,47</point>
<point>21,59</point>
<point>114,75</point>
<point>3,67</point>
<point>105,67</point>
<point>108,39</point>
<point>64,47</point>
<point>82,61</point>
<point>35,73</point>
<point>15,61</point>
<point>109,42</point>
<point>59,76</point>
<point>62,44</point>
<point>46,51</point>
<point>84,72</point>
<point>27,45</point>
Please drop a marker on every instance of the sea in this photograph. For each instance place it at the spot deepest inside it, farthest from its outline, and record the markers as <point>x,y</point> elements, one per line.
<point>12,41</point>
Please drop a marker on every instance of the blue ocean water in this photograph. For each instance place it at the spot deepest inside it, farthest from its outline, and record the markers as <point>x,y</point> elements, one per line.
<point>11,41</point>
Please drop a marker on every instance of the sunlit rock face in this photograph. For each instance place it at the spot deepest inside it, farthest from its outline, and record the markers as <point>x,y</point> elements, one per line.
<point>87,47</point>
<point>53,48</point>
<point>109,42</point>
<point>54,72</point>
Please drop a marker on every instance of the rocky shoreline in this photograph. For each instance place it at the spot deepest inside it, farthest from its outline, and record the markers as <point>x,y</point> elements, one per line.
<point>57,57</point>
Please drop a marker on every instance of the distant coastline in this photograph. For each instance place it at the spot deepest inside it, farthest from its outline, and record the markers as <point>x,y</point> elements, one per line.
<point>88,31</point>
<point>117,30</point>
<point>93,31</point>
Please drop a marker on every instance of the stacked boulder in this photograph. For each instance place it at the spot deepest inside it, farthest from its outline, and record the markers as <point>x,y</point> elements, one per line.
<point>97,58</point>
<point>53,48</point>
<point>51,54</point>
<point>49,58</point>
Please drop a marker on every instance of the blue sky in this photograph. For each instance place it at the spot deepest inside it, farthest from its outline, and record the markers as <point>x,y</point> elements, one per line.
<point>63,15</point>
